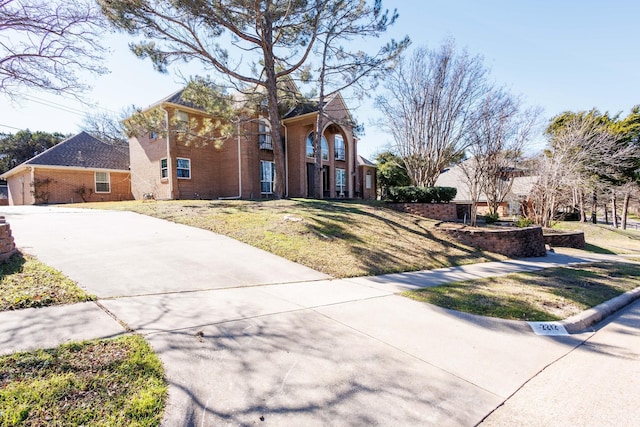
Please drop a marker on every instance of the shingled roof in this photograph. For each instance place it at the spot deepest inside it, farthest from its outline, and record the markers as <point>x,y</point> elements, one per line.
<point>82,151</point>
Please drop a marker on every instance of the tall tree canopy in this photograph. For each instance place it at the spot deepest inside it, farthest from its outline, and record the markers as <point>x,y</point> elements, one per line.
<point>23,145</point>
<point>45,44</point>
<point>254,43</point>
<point>339,67</point>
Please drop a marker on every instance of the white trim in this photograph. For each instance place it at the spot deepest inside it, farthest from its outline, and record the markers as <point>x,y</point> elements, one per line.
<point>19,169</point>
<point>95,181</point>
<point>177,168</point>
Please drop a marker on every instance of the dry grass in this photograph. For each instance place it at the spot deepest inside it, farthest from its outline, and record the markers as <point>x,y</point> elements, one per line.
<point>342,239</point>
<point>603,238</point>
<point>97,383</point>
<point>552,294</point>
<point>26,282</point>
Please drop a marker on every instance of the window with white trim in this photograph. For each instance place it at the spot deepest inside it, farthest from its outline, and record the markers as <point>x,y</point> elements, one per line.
<point>183,168</point>
<point>267,176</point>
<point>181,119</point>
<point>164,169</point>
<point>341,179</point>
<point>368,182</point>
<point>324,146</point>
<point>339,147</point>
<point>264,136</point>
<point>103,183</point>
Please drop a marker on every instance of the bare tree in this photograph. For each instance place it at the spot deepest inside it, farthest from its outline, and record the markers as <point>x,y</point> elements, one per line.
<point>496,141</point>
<point>266,41</point>
<point>580,148</point>
<point>45,44</point>
<point>105,126</point>
<point>429,108</point>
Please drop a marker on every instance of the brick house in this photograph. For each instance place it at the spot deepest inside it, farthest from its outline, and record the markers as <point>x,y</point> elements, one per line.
<point>165,167</point>
<point>81,168</point>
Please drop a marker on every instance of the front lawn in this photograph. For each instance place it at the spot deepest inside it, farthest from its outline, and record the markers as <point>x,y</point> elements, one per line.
<point>551,294</point>
<point>26,282</point>
<point>339,238</point>
<point>97,383</point>
<point>602,238</point>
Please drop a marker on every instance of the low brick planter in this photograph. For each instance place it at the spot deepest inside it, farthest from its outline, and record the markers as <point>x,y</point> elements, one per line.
<point>513,242</point>
<point>570,239</point>
<point>7,246</point>
<point>439,211</point>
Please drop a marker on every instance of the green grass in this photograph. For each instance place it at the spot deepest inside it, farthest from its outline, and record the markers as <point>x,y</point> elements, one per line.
<point>339,238</point>
<point>551,294</point>
<point>26,282</point>
<point>96,383</point>
<point>601,238</point>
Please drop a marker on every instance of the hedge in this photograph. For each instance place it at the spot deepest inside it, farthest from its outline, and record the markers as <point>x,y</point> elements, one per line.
<point>413,194</point>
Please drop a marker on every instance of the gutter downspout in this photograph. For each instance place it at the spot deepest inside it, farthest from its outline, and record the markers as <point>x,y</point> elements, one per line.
<point>32,174</point>
<point>169,161</point>
<point>286,161</point>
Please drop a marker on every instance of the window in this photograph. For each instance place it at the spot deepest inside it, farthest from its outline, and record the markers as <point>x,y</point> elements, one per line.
<point>103,184</point>
<point>323,143</point>
<point>339,147</point>
<point>183,168</point>
<point>181,119</point>
<point>368,183</point>
<point>153,135</point>
<point>340,181</point>
<point>164,170</point>
<point>264,136</point>
<point>267,175</point>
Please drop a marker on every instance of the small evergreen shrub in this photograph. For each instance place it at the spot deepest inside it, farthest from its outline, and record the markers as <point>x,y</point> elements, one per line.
<point>491,218</point>
<point>523,222</point>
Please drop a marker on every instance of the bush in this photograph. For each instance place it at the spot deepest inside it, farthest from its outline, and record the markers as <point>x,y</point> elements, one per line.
<point>413,194</point>
<point>523,222</point>
<point>490,218</point>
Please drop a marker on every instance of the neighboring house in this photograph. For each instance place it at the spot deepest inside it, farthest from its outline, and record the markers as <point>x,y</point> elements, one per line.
<point>512,205</point>
<point>81,168</point>
<point>164,166</point>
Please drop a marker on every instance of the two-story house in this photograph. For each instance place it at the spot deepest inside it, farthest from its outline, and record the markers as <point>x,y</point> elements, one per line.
<point>165,166</point>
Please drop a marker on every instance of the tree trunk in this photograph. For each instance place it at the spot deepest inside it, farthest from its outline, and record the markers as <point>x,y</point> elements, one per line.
<point>625,209</point>
<point>583,213</point>
<point>279,184</point>
<point>614,209</point>
<point>594,208</point>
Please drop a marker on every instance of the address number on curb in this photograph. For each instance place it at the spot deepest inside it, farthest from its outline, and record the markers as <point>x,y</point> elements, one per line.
<point>548,328</point>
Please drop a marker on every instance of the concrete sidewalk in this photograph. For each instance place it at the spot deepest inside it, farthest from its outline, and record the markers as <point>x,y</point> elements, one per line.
<point>298,349</point>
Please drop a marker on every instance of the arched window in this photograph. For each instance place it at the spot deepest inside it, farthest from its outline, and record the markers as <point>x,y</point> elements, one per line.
<point>339,147</point>
<point>324,146</point>
<point>264,136</point>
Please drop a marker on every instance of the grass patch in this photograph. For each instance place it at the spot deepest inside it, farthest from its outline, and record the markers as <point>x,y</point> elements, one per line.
<point>339,238</point>
<point>601,238</point>
<point>26,282</point>
<point>551,294</point>
<point>99,383</point>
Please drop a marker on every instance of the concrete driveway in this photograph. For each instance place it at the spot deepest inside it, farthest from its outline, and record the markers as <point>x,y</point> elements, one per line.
<point>298,349</point>
<point>132,254</point>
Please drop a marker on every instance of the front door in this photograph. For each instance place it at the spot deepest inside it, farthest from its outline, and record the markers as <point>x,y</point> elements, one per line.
<point>310,171</point>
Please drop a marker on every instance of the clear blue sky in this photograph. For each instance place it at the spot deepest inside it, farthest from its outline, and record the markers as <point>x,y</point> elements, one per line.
<point>558,54</point>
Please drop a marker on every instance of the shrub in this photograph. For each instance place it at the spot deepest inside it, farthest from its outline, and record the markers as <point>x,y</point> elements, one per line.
<point>490,218</point>
<point>523,222</point>
<point>413,194</point>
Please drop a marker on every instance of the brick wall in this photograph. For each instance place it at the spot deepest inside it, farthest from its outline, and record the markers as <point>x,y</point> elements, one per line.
<point>439,211</point>
<point>7,246</point>
<point>63,186</point>
<point>514,243</point>
<point>573,239</point>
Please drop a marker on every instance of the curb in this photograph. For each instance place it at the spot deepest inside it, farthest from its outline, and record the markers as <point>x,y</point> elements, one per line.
<point>590,317</point>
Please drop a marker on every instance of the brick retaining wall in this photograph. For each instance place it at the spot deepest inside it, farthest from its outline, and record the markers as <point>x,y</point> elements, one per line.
<point>439,211</point>
<point>7,246</point>
<point>573,239</point>
<point>514,242</point>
